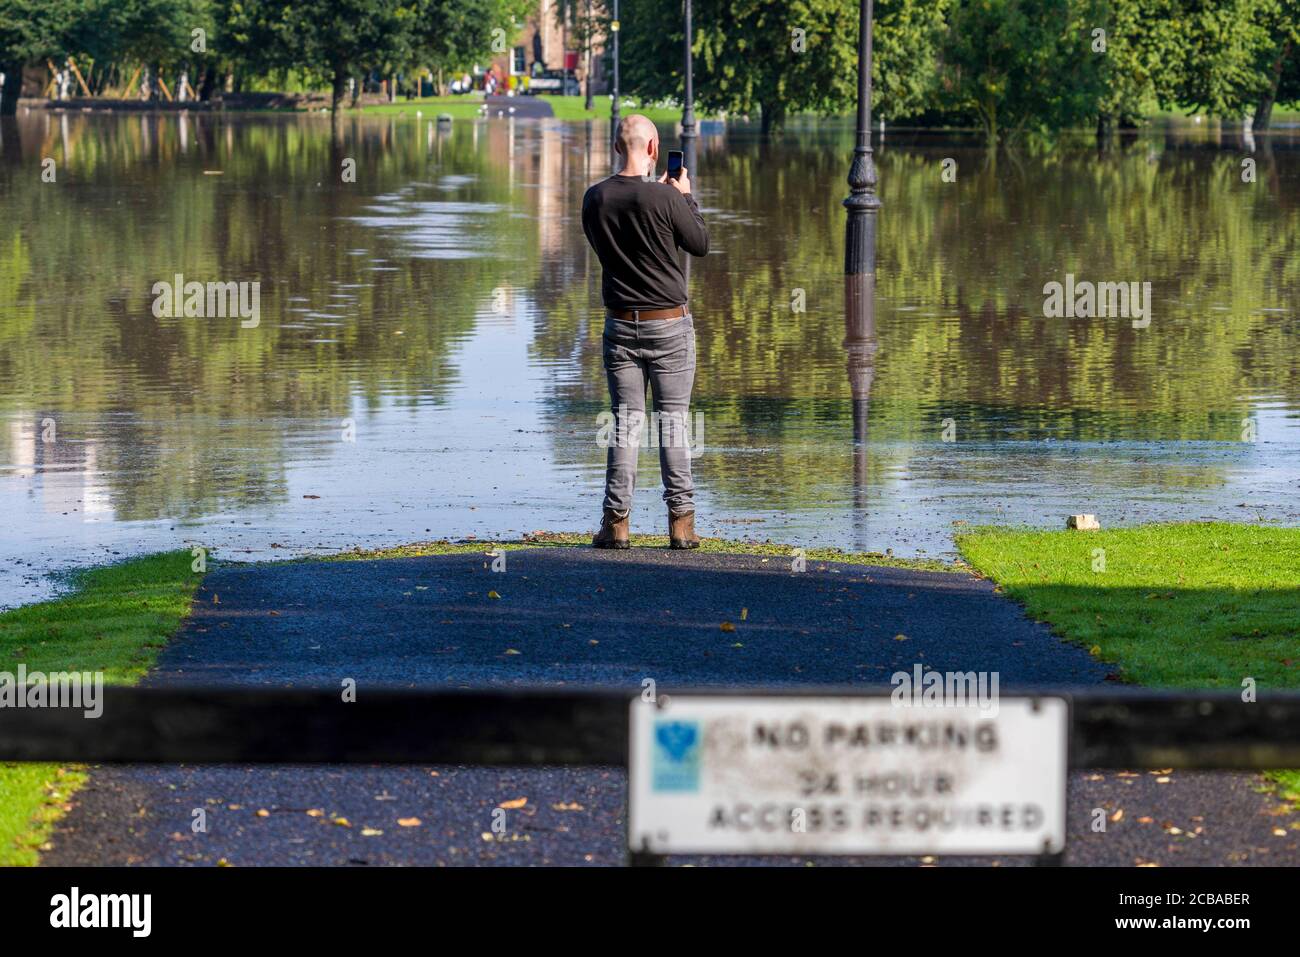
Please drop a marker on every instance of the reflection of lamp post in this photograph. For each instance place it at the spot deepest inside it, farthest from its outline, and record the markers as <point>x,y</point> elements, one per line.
<point>860,345</point>
<point>862,203</point>
<point>613,113</point>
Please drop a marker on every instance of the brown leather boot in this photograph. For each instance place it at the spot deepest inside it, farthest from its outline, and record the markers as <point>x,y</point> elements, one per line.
<point>681,530</point>
<point>613,530</point>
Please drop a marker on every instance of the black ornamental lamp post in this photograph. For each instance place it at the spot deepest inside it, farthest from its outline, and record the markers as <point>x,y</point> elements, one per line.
<point>688,104</point>
<point>688,124</point>
<point>613,113</point>
<point>862,202</point>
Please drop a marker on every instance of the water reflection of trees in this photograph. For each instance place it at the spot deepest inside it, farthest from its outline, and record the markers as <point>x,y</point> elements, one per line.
<point>960,331</point>
<point>960,326</point>
<point>132,205</point>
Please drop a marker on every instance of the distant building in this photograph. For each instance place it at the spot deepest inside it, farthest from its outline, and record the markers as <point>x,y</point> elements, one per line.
<point>539,50</point>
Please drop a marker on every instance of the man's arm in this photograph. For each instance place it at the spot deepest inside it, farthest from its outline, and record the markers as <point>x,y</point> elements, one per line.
<point>688,221</point>
<point>688,224</point>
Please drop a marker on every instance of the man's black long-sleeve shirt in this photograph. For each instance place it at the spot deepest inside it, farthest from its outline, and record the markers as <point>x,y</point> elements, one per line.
<point>636,226</point>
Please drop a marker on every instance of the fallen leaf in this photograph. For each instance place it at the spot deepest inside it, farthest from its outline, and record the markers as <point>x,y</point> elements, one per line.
<point>409,822</point>
<point>370,832</point>
<point>512,805</point>
<point>727,626</point>
<point>493,594</point>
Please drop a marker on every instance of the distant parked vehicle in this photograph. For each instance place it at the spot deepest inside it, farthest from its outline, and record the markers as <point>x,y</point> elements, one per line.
<point>555,82</point>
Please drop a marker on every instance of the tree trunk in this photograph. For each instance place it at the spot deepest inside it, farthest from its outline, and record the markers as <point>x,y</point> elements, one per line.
<point>1105,130</point>
<point>773,117</point>
<point>1264,109</point>
<point>208,84</point>
<point>13,88</point>
<point>1263,113</point>
<point>340,86</point>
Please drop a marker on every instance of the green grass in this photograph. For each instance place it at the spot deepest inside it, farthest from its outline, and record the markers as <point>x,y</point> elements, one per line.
<point>1182,606</point>
<point>1187,606</point>
<point>708,546</point>
<point>115,621</point>
<point>567,108</point>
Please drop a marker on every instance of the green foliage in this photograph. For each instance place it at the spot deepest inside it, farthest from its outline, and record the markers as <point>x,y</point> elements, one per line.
<point>30,31</point>
<point>1021,65</point>
<point>780,58</point>
<point>1013,67</point>
<point>332,40</point>
<point>156,32</point>
<point>1222,44</point>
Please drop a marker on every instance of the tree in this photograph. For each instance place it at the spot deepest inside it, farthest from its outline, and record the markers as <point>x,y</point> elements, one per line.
<point>778,57</point>
<point>157,33</point>
<point>30,32</point>
<point>331,40</point>
<point>1021,65</point>
<point>1278,60</point>
<point>456,34</point>
<point>1143,54</point>
<point>1225,44</point>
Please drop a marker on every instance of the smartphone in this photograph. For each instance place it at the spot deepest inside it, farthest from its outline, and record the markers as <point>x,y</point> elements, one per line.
<point>674,164</point>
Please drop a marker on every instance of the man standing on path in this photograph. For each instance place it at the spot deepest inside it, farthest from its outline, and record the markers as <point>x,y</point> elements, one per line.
<point>636,224</point>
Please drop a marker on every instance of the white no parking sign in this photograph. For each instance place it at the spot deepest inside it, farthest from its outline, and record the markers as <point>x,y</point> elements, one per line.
<point>845,775</point>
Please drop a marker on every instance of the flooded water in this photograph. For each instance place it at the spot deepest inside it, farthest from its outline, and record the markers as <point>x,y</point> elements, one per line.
<point>425,359</point>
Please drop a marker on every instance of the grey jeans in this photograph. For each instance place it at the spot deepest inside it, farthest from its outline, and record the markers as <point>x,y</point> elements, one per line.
<point>660,352</point>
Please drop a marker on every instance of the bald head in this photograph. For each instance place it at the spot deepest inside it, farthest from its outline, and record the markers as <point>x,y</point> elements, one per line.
<point>638,142</point>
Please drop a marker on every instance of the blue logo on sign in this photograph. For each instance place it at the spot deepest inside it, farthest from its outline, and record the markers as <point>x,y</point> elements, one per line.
<point>676,756</point>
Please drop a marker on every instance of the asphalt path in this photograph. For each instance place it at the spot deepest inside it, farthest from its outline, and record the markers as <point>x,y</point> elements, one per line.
<point>521,107</point>
<point>579,617</point>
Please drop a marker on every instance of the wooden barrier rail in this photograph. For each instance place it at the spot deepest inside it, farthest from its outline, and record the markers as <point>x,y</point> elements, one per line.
<point>512,727</point>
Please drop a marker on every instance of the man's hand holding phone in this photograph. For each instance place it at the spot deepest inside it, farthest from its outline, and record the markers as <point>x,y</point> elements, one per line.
<point>682,181</point>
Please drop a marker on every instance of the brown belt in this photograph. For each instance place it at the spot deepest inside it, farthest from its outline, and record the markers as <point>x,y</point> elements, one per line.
<point>636,315</point>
